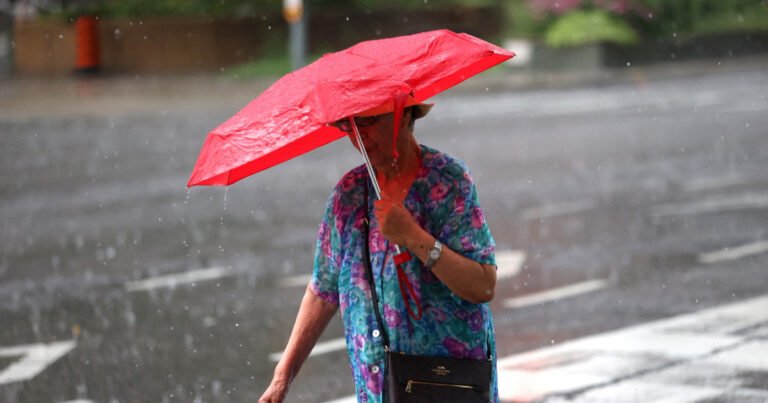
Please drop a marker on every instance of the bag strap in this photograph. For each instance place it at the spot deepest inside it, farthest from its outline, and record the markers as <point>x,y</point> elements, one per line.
<point>369,272</point>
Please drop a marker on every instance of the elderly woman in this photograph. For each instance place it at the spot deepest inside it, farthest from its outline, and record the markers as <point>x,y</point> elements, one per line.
<point>429,206</point>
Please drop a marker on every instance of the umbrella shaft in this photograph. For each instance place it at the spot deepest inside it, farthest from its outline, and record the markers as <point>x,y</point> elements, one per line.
<point>368,165</point>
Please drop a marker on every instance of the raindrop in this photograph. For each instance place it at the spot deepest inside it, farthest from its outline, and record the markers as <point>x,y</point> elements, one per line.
<point>216,388</point>
<point>209,321</point>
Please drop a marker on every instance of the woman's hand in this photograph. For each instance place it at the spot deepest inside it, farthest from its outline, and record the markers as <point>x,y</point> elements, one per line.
<point>396,222</point>
<point>275,393</point>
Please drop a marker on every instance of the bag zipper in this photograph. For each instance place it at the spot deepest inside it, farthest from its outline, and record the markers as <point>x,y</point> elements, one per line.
<point>451,385</point>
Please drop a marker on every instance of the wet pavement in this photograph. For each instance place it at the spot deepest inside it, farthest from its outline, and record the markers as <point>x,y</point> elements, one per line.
<point>616,206</point>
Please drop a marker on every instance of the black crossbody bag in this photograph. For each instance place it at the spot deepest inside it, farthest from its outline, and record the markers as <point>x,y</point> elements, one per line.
<point>418,378</point>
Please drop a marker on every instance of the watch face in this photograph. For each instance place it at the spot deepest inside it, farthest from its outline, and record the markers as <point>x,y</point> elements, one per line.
<point>434,254</point>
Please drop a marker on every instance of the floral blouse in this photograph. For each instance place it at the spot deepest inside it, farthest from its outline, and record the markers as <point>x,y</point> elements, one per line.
<point>444,202</point>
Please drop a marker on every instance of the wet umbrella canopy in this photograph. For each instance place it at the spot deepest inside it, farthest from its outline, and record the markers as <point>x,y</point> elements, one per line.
<point>291,117</point>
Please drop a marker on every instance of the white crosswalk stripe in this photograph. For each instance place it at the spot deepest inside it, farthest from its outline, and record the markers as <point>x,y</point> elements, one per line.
<point>671,360</point>
<point>555,294</point>
<point>734,253</point>
<point>32,359</point>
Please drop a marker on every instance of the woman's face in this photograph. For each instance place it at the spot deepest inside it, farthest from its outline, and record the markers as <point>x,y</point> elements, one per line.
<point>377,138</point>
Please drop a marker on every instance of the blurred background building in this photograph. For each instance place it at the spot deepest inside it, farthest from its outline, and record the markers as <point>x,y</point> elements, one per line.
<point>249,37</point>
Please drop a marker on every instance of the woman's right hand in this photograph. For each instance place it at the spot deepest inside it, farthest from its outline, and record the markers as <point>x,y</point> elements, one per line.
<point>275,393</point>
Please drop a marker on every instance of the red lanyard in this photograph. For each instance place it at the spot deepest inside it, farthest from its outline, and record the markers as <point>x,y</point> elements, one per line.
<point>405,284</point>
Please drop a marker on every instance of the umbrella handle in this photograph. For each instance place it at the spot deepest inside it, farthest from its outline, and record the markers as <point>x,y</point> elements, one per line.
<point>368,165</point>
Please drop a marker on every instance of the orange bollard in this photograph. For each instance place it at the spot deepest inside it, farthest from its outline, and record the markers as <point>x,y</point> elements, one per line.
<point>87,50</point>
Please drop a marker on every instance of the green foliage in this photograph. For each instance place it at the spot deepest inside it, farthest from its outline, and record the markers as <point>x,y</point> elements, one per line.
<point>659,19</point>
<point>750,19</point>
<point>274,66</point>
<point>694,17</point>
<point>271,65</point>
<point>143,8</point>
<point>248,8</point>
<point>589,26</point>
<point>520,21</point>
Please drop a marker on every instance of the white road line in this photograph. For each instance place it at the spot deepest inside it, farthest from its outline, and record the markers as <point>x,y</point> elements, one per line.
<point>172,280</point>
<point>707,341</point>
<point>509,263</point>
<point>79,401</point>
<point>553,210</point>
<point>35,358</point>
<point>714,204</point>
<point>348,399</point>
<point>555,294</point>
<point>707,183</point>
<point>703,344</point>
<point>734,253</point>
<point>320,348</point>
<point>300,280</point>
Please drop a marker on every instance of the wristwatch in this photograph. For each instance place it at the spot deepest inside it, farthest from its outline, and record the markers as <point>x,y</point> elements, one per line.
<point>434,254</point>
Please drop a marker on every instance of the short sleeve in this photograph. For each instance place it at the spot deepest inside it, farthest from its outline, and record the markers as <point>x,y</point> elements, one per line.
<point>465,230</point>
<point>325,277</point>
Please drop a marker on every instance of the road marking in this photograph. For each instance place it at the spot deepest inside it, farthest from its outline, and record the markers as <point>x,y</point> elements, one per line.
<point>320,348</point>
<point>348,399</point>
<point>35,358</point>
<point>667,360</point>
<point>172,280</point>
<point>300,280</point>
<point>555,294</point>
<point>509,263</point>
<point>553,210</point>
<point>734,253</point>
<point>707,183</point>
<point>677,355</point>
<point>714,204</point>
<point>79,401</point>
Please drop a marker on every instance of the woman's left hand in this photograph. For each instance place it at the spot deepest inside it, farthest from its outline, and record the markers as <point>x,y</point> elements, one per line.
<point>396,222</point>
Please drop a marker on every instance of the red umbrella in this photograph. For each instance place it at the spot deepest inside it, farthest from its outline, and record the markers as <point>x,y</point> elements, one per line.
<point>290,118</point>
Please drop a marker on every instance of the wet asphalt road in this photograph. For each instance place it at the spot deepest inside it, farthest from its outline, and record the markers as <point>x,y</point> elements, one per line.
<point>627,183</point>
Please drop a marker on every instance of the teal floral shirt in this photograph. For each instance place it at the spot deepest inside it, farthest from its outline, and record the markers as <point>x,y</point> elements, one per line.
<point>443,200</point>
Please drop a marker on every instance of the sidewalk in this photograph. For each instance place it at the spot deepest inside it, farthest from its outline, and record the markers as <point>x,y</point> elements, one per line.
<point>27,97</point>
